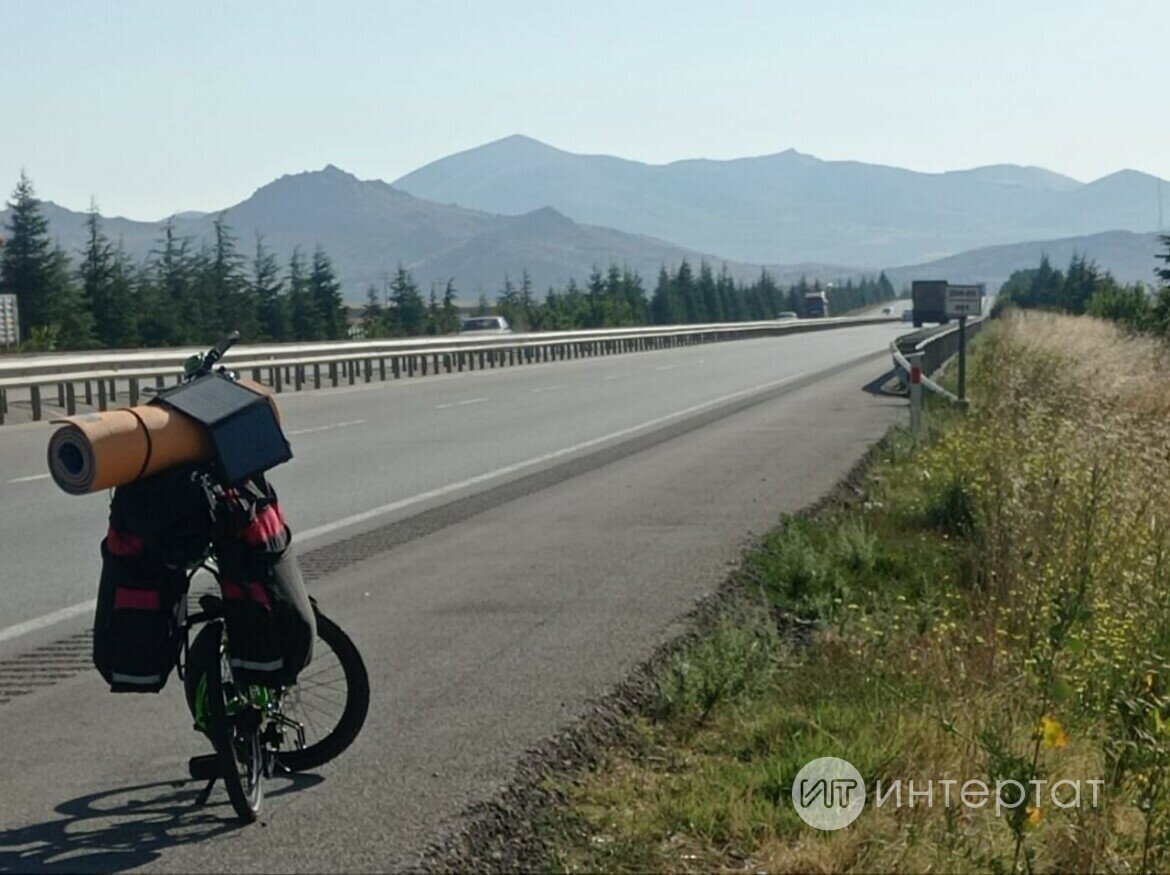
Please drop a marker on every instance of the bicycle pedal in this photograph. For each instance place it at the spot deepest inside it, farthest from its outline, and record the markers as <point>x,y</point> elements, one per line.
<point>204,768</point>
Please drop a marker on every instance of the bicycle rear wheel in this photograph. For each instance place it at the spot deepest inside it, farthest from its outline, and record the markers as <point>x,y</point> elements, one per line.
<point>234,727</point>
<point>330,699</point>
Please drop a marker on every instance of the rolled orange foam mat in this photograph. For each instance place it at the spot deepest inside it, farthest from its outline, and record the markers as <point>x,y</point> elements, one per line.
<point>95,451</point>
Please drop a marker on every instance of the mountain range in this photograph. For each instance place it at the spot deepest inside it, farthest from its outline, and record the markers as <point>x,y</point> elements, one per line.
<point>517,205</point>
<point>793,207</point>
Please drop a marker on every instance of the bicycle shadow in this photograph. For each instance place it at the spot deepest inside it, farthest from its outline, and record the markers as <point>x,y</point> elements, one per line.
<point>127,827</point>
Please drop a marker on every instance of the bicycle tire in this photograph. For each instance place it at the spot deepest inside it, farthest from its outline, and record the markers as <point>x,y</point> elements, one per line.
<point>357,703</point>
<point>227,738</point>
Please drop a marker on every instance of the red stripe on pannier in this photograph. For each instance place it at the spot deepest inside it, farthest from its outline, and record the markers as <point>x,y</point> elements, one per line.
<point>268,524</point>
<point>122,543</point>
<point>137,599</point>
<point>233,591</point>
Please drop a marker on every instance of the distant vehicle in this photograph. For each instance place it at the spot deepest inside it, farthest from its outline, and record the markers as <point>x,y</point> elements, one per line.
<point>887,311</point>
<point>816,305</point>
<point>930,302</point>
<point>787,314</point>
<point>907,315</point>
<point>485,325</point>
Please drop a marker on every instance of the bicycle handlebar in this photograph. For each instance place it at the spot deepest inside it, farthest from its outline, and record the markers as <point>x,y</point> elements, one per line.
<point>217,352</point>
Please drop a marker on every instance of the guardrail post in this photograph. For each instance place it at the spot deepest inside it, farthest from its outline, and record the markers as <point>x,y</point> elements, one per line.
<point>382,368</point>
<point>113,390</point>
<point>160,382</point>
<point>277,379</point>
<point>317,375</point>
<point>71,398</point>
<point>60,394</point>
<point>102,405</point>
<point>352,369</point>
<point>962,359</point>
<point>369,363</point>
<point>34,394</point>
<point>299,376</point>
<point>333,374</point>
<point>132,388</point>
<point>3,404</point>
<point>915,360</point>
<point>88,394</point>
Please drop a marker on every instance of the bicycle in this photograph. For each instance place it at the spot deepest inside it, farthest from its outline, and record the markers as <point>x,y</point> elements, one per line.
<point>248,725</point>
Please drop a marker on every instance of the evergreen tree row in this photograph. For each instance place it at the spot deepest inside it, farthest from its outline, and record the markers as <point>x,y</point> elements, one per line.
<point>179,296</point>
<point>1085,288</point>
<point>617,298</point>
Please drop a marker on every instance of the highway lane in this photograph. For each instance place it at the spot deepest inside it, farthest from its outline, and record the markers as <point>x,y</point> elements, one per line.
<point>483,632</point>
<point>363,447</point>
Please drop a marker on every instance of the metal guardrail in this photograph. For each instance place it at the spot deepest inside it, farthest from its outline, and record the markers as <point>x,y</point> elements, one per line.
<point>938,346</point>
<point>103,378</point>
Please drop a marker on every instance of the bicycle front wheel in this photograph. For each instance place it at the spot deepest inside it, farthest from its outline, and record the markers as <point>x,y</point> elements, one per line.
<point>234,726</point>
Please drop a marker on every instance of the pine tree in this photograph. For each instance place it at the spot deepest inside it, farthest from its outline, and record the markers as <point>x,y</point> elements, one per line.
<point>325,292</point>
<point>103,286</point>
<point>304,317</point>
<point>122,310</point>
<point>173,312</point>
<point>26,256</point>
<point>432,323</point>
<point>407,310</point>
<point>69,311</point>
<point>234,308</point>
<point>266,291</point>
<point>662,304</point>
<point>373,315</point>
<point>449,313</point>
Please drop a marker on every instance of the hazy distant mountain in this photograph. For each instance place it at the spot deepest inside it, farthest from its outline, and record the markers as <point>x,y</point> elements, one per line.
<point>368,227</point>
<point>793,207</point>
<point>1129,257</point>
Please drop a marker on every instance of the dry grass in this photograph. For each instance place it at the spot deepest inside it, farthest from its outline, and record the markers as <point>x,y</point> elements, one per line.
<point>998,608</point>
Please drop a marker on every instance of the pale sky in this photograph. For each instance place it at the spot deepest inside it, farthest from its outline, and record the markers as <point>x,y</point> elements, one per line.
<point>153,106</point>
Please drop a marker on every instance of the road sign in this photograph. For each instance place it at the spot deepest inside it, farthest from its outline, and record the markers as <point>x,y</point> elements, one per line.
<point>964,300</point>
<point>9,321</point>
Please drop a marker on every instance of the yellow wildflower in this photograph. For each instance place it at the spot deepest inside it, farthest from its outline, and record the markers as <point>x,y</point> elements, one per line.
<point>1052,733</point>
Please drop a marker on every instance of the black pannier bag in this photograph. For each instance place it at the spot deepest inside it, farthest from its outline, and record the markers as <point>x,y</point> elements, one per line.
<point>269,619</point>
<point>162,525</point>
<point>157,527</point>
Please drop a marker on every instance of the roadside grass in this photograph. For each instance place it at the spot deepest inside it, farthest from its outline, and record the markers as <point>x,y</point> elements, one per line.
<point>994,605</point>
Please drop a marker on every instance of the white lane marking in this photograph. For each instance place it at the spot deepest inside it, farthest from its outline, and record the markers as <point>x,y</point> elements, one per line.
<point>28,479</point>
<point>549,388</point>
<point>665,367</point>
<point>326,427</point>
<point>461,403</point>
<point>308,534</point>
<point>362,517</point>
<point>47,620</point>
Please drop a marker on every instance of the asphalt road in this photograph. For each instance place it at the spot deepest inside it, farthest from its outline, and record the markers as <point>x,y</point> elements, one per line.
<point>503,545</point>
